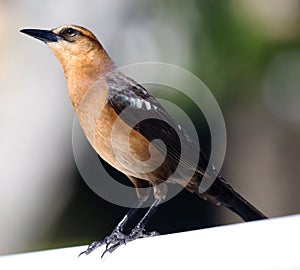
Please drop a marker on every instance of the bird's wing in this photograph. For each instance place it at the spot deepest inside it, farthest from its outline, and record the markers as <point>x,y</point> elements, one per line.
<point>130,100</point>
<point>133,103</point>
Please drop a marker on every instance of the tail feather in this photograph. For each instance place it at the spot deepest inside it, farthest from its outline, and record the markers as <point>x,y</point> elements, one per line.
<point>223,193</point>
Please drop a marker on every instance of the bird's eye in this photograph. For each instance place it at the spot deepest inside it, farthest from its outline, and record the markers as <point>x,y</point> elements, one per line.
<point>70,32</point>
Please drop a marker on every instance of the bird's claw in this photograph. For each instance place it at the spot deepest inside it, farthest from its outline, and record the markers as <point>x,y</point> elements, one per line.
<point>115,236</point>
<point>117,239</point>
<point>138,232</point>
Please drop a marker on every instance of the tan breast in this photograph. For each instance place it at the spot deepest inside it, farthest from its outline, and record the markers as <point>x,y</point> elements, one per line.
<point>117,143</point>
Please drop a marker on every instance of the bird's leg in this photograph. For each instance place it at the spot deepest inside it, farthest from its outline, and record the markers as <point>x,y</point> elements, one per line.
<point>117,234</point>
<point>138,231</point>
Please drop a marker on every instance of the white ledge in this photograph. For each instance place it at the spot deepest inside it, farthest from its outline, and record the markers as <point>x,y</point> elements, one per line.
<point>268,244</point>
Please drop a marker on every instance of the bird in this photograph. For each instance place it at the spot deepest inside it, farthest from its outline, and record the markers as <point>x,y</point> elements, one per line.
<point>102,96</point>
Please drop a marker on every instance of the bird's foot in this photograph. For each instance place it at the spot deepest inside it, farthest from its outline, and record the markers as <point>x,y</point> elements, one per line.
<point>139,232</point>
<point>115,236</point>
<point>136,233</point>
<point>117,239</point>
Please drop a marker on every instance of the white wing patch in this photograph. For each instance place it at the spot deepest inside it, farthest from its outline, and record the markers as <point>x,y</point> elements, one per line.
<point>140,103</point>
<point>147,104</point>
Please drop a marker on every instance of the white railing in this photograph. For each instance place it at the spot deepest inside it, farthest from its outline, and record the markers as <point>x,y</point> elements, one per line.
<point>269,244</point>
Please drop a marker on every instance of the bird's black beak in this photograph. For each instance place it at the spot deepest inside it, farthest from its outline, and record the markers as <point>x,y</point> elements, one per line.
<point>43,35</point>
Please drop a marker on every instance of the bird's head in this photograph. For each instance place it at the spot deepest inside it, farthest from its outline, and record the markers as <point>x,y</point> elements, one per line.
<point>74,46</point>
<point>82,56</point>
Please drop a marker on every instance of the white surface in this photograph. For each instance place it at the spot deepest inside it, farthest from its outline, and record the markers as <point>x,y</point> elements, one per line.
<point>269,244</point>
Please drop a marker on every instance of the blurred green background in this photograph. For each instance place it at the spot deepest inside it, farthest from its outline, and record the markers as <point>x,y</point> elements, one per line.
<point>246,51</point>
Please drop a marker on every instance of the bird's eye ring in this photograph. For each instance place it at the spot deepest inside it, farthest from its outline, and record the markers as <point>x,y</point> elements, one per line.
<point>70,32</point>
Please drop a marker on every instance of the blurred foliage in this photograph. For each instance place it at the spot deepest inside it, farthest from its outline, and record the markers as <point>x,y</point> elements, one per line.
<point>229,54</point>
<point>234,55</point>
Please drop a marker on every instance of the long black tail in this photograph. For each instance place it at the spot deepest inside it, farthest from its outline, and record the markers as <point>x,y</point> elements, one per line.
<point>223,193</point>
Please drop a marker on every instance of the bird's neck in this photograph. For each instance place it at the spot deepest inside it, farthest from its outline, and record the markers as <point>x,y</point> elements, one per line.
<point>81,76</point>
